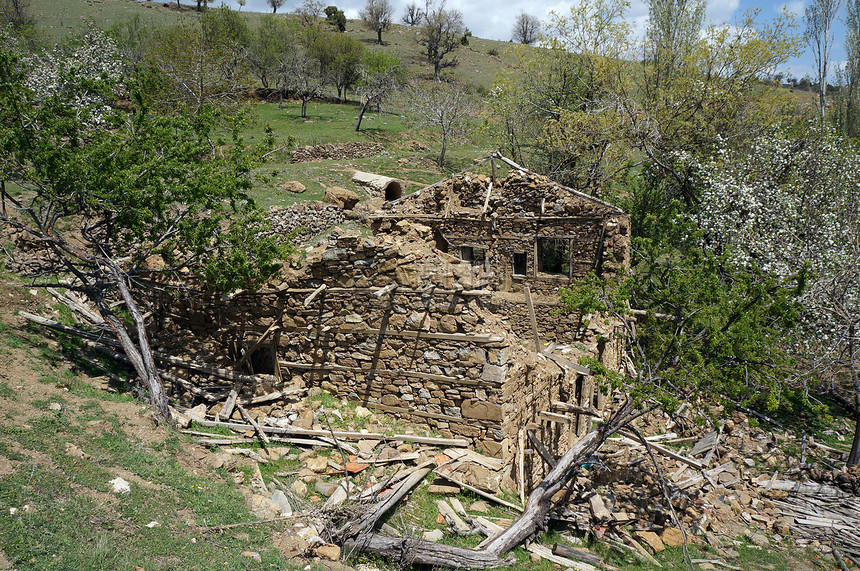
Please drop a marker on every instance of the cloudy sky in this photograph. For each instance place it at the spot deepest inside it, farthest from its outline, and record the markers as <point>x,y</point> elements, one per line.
<point>493,19</point>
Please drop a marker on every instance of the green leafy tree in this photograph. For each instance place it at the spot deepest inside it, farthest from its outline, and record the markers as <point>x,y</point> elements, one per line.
<point>202,63</point>
<point>561,105</point>
<point>339,56</point>
<point>336,18</point>
<point>819,17</point>
<point>271,45</point>
<point>852,69</point>
<point>381,76</point>
<point>103,202</point>
<point>707,327</point>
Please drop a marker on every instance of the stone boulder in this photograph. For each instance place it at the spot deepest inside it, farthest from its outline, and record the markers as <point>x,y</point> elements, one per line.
<point>341,197</point>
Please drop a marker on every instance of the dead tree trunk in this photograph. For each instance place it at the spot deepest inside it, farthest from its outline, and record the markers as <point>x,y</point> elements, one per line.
<point>355,537</point>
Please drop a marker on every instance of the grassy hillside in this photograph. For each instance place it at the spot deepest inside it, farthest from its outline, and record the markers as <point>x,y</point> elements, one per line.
<point>57,19</point>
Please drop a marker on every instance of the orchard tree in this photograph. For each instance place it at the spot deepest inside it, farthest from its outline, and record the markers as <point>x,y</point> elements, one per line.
<point>526,29</point>
<point>673,31</point>
<point>269,49</point>
<point>440,35</point>
<point>304,78</point>
<point>377,15</point>
<point>852,69</point>
<point>339,56</point>
<point>413,15</point>
<point>381,76</point>
<point>791,206</point>
<point>444,107</point>
<point>275,4</point>
<point>103,201</point>
<point>202,63</point>
<point>560,104</point>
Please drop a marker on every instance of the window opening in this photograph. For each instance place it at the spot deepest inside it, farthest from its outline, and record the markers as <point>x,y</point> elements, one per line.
<point>554,256</point>
<point>519,263</point>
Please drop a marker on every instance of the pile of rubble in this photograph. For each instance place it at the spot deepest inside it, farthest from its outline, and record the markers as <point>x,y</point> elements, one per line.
<point>723,485</point>
<point>310,218</point>
<point>357,150</point>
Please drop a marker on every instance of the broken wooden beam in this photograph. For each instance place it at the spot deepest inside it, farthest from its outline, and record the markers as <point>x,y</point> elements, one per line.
<point>431,440</point>
<point>545,454</point>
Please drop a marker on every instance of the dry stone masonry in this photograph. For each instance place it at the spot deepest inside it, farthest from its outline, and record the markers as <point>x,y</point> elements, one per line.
<point>405,323</point>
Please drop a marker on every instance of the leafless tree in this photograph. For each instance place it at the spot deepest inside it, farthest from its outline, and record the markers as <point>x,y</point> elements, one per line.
<point>304,78</point>
<point>275,4</point>
<point>377,15</point>
<point>819,35</point>
<point>309,12</point>
<point>414,14</point>
<point>442,106</point>
<point>526,29</point>
<point>440,35</point>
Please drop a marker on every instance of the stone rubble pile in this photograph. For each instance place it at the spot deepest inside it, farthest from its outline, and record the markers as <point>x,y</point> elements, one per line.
<point>341,151</point>
<point>309,218</point>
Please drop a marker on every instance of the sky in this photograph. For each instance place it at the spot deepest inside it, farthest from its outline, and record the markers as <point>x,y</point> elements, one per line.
<point>492,19</point>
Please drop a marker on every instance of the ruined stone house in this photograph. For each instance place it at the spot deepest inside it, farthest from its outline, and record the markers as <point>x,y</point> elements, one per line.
<point>446,315</point>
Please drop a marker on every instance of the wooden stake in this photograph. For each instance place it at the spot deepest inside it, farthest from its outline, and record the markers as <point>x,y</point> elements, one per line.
<point>532,319</point>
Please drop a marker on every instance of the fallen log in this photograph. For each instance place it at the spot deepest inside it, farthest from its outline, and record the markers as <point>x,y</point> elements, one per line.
<point>412,551</point>
<point>353,538</point>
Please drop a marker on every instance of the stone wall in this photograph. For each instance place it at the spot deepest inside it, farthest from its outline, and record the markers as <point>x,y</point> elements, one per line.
<point>400,328</point>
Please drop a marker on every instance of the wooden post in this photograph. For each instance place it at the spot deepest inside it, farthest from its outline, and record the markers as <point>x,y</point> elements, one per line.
<point>532,319</point>
<point>521,464</point>
<point>493,165</point>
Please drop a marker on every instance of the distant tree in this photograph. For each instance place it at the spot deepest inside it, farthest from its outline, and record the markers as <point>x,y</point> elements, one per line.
<point>526,29</point>
<point>309,13</point>
<point>336,18</point>
<point>673,30</point>
<point>377,16</point>
<point>440,35</point>
<point>271,46</point>
<point>413,16</point>
<point>339,56</point>
<point>275,4</point>
<point>852,69</point>
<point>381,75</point>
<point>442,106</point>
<point>304,78</point>
<point>241,3</point>
<point>819,18</point>
<point>201,62</point>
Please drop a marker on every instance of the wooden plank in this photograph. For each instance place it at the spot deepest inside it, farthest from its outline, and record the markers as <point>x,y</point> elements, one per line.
<point>532,319</point>
<point>632,439</point>
<point>400,290</point>
<point>271,329</point>
<point>314,294</point>
<point>407,334</point>
<point>567,407</point>
<point>546,553</point>
<point>482,493</point>
<point>554,417</point>
<point>521,464</point>
<point>451,517</point>
<point>431,440</point>
<point>419,413</point>
<point>487,198</point>
<point>322,367</point>
<point>568,364</point>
